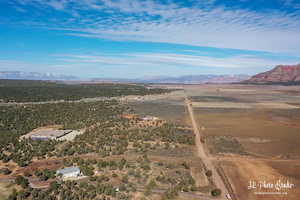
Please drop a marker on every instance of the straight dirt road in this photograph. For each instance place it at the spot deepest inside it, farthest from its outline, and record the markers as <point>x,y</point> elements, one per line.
<point>201,153</point>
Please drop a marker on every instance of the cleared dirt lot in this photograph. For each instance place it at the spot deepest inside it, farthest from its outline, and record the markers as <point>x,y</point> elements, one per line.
<point>241,171</point>
<point>251,127</point>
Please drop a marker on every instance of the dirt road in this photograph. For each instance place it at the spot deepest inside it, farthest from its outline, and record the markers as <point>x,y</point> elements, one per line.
<point>201,153</point>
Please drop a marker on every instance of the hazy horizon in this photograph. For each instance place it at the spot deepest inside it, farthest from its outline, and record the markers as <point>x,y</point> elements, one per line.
<point>130,39</point>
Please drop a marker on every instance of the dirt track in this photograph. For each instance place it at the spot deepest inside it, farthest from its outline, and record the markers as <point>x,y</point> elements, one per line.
<point>201,153</point>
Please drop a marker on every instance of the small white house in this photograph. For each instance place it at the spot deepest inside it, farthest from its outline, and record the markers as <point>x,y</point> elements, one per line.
<point>68,172</point>
<point>150,118</point>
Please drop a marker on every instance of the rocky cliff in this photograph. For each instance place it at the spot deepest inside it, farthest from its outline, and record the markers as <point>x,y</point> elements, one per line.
<point>280,74</point>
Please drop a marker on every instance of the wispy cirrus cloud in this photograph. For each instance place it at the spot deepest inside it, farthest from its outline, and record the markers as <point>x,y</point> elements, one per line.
<point>200,24</point>
<point>173,59</point>
<point>166,37</point>
<point>136,65</point>
<point>292,3</point>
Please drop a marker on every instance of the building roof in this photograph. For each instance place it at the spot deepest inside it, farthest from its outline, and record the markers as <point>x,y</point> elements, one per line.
<point>129,116</point>
<point>68,170</point>
<point>50,133</point>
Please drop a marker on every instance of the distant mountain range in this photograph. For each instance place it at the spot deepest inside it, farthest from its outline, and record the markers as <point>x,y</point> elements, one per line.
<point>281,74</point>
<point>188,79</point>
<point>33,76</point>
<point>285,74</point>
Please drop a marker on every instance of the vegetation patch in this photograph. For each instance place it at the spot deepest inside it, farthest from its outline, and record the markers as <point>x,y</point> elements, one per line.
<point>16,121</point>
<point>112,153</point>
<point>225,144</point>
<point>214,99</point>
<point>35,91</point>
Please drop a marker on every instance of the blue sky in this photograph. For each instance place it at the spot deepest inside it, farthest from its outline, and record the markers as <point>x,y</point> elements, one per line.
<point>132,38</point>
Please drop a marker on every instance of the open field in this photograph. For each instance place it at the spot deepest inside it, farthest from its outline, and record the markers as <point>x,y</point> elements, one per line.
<point>253,131</point>
<point>251,127</point>
<point>169,112</point>
<point>240,171</point>
<point>264,119</point>
<point>261,105</point>
<point>169,107</point>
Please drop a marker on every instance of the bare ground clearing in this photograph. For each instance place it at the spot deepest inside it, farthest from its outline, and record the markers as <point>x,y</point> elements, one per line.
<point>240,171</point>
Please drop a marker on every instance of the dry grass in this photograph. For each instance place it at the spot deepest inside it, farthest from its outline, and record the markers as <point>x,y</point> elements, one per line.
<point>172,111</point>
<point>283,139</point>
<point>241,171</point>
<point>220,105</point>
<point>266,105</point>
<point>6,189</point>
<point>275,105</point>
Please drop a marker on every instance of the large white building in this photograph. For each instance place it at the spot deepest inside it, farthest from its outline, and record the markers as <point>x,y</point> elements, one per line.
<point>46,134</point>
<point>69,172</point>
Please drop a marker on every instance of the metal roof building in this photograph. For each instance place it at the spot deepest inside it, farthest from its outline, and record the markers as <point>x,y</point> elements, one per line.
<point>47,134</point>
<point>69,172</point>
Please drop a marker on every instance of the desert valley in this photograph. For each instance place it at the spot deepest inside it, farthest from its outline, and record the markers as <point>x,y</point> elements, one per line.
<point>150,100</point>
<point>170,141</point>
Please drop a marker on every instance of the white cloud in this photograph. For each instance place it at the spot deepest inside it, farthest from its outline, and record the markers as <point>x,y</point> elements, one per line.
<point>292,3</point>
<point>58,5</point>
<point>199,25</point>
<point>135,65</point>
<point>167,59</point>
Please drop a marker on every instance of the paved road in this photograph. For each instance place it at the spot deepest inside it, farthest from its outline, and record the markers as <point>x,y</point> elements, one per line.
<point>201,153</point>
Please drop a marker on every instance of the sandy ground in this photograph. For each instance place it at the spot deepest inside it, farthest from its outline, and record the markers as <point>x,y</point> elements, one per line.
<point>241,171</point>
<point>268,105</point>
<point>220,105</point>
<point>6,188</point>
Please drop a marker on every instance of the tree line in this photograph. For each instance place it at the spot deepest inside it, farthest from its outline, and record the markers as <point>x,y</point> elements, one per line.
<point>36,91</point>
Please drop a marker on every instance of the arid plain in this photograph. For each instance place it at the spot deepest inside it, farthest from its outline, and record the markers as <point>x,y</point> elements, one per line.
<point>250,132</point>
